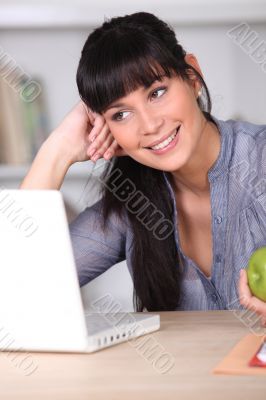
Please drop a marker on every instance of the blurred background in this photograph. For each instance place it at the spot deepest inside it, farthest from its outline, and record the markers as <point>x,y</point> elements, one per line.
<point>40,46</point>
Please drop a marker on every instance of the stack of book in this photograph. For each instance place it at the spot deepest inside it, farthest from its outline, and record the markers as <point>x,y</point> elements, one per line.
<point>23,121</point>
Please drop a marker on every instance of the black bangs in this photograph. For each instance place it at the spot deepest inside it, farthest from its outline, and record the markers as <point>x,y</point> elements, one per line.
<point>118,64</point>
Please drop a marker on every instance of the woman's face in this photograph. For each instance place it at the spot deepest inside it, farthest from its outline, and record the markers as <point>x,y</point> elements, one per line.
<point>154,114</point>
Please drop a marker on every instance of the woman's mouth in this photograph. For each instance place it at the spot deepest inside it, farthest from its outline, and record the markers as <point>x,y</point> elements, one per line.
<point>167,144</point>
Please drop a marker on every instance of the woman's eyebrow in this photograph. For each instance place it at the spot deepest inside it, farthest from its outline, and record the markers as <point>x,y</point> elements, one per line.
<point>117,105</point>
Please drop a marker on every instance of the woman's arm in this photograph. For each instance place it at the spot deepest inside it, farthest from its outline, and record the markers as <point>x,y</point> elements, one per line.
<point>72,141</point>
<point>97,249</point>
<point>65,145</point>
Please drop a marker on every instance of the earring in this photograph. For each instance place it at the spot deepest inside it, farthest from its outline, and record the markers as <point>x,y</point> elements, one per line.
<point>199,93</point>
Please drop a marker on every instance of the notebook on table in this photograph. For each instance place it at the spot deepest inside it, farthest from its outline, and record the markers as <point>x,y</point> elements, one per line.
<point>238,360</point>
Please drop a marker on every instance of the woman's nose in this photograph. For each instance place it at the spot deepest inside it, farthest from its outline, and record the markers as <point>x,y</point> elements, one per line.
<point>150,123</point>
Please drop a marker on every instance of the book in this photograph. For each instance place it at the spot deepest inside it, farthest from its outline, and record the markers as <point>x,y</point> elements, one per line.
<point>23,121</point>
<point>237,361</point>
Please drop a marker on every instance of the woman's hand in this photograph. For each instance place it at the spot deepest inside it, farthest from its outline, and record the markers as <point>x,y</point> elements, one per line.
<point>103,143</point>
<point>77,131</point>
<point>70,142</point>
<point>248,300</point>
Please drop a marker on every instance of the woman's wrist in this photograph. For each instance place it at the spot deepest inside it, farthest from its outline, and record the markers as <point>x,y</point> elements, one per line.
<point>59,149</point>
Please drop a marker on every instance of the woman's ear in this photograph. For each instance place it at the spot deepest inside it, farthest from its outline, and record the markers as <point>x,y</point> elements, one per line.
<point>192,60</point>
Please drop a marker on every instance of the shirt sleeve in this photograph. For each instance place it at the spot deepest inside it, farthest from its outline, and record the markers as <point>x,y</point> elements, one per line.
<point>96,250</point>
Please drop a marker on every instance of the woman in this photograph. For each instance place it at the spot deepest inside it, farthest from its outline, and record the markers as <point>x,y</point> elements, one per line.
<point>176,202</point>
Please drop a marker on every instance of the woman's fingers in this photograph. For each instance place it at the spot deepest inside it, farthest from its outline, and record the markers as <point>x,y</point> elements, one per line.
<point>98,125</point>
<point>243,288</point>
<point>102,151</point>
<point>110,152</point>
<point>114,150</point>
<point>247,299</point>
<point>100,143</point>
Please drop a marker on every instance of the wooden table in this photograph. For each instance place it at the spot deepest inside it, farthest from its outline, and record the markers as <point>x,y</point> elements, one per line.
<point>196,340</point>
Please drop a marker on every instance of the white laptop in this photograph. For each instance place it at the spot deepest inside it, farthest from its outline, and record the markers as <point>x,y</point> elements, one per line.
<point>41,308</point>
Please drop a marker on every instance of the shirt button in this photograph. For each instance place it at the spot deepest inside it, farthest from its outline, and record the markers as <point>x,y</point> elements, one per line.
<point>218,219</point>
<point>218,258</point>
<point>214,297</point>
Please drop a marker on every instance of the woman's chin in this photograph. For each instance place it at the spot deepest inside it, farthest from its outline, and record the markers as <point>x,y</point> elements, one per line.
<point>165,162</point>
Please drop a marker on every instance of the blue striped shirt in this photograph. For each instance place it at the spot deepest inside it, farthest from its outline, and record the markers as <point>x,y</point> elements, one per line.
<point>238,209</point>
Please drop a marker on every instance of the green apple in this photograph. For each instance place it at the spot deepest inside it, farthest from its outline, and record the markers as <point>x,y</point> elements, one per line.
<point>256,272</point>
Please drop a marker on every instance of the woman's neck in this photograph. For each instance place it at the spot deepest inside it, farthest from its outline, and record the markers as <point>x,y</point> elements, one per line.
<point>192,178</point>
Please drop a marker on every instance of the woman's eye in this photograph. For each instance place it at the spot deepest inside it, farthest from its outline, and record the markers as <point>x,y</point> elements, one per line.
<point>159,90</point>
<point>115,117</point>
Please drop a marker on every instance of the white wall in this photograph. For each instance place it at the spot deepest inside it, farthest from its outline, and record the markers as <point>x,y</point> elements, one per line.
<point>237,84</point>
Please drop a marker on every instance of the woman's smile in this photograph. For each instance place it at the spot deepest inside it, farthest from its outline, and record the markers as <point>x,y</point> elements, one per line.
<point>167,144</point>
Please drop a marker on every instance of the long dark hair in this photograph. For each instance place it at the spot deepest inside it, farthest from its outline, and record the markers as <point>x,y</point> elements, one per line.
<point>118,57</point>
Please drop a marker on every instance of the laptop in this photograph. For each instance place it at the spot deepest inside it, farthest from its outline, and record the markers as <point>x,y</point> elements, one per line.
<point>41,307</point>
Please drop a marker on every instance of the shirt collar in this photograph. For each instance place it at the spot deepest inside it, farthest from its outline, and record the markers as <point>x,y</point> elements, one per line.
<point>222,162</point>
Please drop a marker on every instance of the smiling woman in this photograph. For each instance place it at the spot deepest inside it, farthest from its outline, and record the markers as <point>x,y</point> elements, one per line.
<point>146,88</point>
<point>176,203</point>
